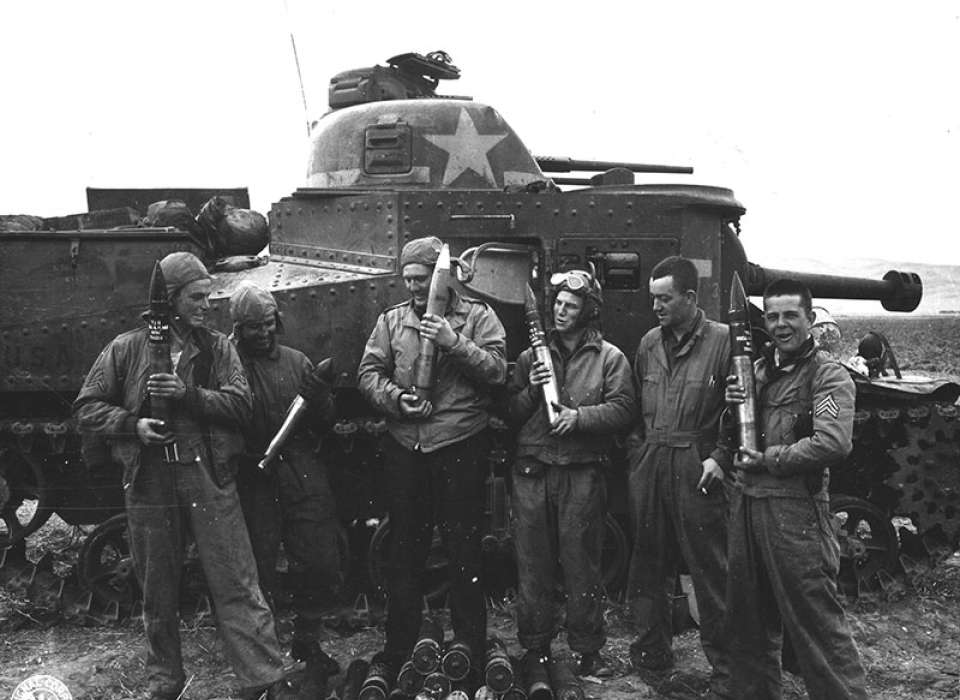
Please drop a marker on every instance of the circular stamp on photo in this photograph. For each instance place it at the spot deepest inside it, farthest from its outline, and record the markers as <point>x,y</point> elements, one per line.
<point>41,687</point>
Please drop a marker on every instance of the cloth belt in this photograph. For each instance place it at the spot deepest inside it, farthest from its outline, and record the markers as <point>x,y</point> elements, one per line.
<point>680,438</point>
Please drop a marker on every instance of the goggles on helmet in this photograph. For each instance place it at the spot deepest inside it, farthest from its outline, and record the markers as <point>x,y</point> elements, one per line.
<point>574,280</point>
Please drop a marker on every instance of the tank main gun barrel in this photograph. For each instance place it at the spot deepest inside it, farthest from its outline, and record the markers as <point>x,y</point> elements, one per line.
<point>556,164</point>
<point>897,291</point>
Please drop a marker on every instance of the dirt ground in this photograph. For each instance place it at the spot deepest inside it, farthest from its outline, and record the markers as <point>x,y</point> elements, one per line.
<point>908,632</point>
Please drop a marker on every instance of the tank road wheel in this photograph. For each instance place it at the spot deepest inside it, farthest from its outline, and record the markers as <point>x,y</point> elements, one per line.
<point>435,582</point>
<point>105,564</point>
<point>868,543</point>
<point>24,498</point>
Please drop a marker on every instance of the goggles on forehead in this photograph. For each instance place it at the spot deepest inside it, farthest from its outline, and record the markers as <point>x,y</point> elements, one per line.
<point>574,280</point>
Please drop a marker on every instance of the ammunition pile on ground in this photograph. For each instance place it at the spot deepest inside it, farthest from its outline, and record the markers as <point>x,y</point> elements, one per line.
<point>444,671</point>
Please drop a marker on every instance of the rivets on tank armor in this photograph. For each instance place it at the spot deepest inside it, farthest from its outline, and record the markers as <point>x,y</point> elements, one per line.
<point>313,295</point>
<point>556,212</point>
<point>390,219</point>
<point>573,212</point>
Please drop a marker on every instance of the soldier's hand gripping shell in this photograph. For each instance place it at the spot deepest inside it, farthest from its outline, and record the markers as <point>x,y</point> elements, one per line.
<point>317,385</point>
<point>539,374</point>
<point>734,393</point>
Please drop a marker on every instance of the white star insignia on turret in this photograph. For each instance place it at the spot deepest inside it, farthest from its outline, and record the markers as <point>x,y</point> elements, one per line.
<point>468,149</point>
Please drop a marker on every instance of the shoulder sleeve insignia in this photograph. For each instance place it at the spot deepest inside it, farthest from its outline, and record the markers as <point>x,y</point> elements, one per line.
<point>238,378</point>
<point>827,405</point>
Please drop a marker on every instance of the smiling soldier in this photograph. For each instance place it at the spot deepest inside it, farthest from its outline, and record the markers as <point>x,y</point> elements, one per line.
<point>436,448</point>
<point>195,492</point>
<point>784,556</point>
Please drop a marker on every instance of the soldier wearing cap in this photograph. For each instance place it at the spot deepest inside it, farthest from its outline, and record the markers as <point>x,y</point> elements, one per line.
<point>291,500</point>
<point>436,449</point>
<point>559,487</point>
<point>676,478</point>
<point>197,493</point>
<point>784,555</point>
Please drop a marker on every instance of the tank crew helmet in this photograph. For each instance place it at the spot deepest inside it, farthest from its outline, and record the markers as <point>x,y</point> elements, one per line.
<point>180,269</point>
<point>250,304</point>
<point>825,330</point>
<point>582,284</point>
<point>421,251</point>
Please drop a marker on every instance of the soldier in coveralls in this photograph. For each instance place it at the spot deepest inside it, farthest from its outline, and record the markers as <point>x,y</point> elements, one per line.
<point>291,500</point>
<point>435,450</point>
<point>559,487</point>
<point>784,556</point>
<point>211,400</point>
<point>676,484</point>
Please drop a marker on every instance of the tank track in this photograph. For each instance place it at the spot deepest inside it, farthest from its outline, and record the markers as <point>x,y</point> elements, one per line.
<point>928,473</point>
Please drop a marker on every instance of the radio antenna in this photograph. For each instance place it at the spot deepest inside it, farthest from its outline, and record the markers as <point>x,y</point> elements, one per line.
<point>296,61</point>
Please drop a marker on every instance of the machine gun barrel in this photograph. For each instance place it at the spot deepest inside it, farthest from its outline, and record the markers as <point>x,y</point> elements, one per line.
<point>551,396</point>
<point>158,349</point>
<point>897,291</point>
<point>557,164</point>
<point>424,370</point>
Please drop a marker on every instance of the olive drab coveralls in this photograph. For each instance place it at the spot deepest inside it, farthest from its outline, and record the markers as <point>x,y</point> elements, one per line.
<point>435,468</point>
<point>681,395</point>
<point>559,488</point>
<point>291,500</point>
<point>784,555</point>
<point>197,495</point>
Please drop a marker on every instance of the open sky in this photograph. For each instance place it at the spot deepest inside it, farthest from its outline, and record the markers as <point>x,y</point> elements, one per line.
<point>837,124</point>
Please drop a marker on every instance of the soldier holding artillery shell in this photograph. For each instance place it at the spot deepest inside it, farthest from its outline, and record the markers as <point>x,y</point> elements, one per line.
<point>286,496</point>
<point>784,557</point>
<point>559,487</point>
<point>178,475</point>
<point>428,366</point>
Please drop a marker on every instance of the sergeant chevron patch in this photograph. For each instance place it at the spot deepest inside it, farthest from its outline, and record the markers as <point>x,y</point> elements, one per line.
<point>827,405</point>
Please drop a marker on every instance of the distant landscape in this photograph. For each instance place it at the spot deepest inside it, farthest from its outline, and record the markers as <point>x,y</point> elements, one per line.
<point>941,283</point>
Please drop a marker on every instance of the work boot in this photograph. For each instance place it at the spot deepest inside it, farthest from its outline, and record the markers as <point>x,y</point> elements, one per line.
<point>593,663</point>
<point>309,651</point>
<point>650,659</point>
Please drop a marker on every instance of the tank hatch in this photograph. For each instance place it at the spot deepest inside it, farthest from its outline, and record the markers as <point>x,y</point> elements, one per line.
<point>436,144</point>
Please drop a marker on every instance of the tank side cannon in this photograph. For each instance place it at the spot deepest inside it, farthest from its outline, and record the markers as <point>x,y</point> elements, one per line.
<point>897,291</point>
